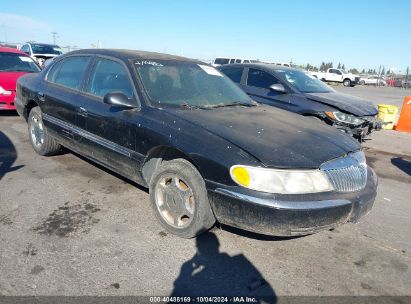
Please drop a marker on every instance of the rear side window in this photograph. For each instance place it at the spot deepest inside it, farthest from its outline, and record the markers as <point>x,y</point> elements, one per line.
<point>109,76</point>
<point>221,61</point>
<point>25,49</point>
<point>261,79</point>
<point>70,72</point>
<point>233,73</point>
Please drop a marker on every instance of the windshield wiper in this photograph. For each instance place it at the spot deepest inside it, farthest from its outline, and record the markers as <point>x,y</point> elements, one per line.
<point>233,104</point>
<point>188,106</point>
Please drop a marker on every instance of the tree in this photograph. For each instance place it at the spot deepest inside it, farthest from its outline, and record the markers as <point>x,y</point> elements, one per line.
<point>343,67</point>
<point>383,71</point>
<point>322,67</point>
<point>363,71</point>
<point>354,71</point>
<point>339,66</point>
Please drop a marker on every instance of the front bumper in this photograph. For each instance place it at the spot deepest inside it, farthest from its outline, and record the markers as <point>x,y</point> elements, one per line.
<point>361,132</point>
<point>288,215</point>
<point>7,101</point>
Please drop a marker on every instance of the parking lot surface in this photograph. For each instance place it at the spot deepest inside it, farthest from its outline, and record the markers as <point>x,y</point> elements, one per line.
<point>69,227</point>
<point>377,95</point>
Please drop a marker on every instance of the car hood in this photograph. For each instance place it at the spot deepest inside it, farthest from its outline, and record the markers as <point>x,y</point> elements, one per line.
<point>277,138</point>
<point>8,80</point>
<point>347,103</point>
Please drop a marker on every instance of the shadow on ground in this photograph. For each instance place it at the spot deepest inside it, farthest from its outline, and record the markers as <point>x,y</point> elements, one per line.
<point>8,155</point>
<point>402,164</point>
<point>213,273</point>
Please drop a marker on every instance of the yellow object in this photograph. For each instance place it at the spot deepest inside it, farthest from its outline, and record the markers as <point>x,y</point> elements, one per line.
<point>388,114</point>
<point>241,176</point>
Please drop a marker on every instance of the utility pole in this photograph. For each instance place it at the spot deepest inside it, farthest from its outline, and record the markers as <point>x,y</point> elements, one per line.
<point>54,37</point>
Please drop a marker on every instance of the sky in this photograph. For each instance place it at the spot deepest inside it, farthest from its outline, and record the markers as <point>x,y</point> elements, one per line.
<point>360,34</point>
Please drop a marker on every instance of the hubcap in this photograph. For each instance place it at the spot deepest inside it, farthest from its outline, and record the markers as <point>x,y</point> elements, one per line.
<point>175,201</point>
<point>36,131</point>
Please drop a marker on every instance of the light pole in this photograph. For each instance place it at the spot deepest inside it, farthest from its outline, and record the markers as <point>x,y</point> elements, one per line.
<point>54,37</point>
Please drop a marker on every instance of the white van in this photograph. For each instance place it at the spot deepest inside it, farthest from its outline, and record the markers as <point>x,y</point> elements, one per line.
<point>230,60</point>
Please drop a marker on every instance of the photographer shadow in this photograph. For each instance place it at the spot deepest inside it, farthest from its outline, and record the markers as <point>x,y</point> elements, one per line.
<point>213,273</point>
<point>8,155</point>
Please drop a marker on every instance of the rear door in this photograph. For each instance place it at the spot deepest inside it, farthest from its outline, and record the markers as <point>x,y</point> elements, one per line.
<point>257,85</point>
<point>111,132</point>
<point>59,97</point>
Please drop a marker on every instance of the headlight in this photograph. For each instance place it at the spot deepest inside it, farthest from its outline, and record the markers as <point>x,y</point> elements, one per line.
<point>280,181</point>
<point>346,118</point>
<point>4,92</point>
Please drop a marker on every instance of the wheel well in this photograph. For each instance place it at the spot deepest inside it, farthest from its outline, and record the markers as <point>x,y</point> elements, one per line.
<point>30,105</point>
<point>347,79</point>
<point>158,155</point>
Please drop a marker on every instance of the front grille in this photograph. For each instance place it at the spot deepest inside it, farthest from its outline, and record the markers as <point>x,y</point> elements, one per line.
<point>347,174</point>
<point>348,179</point>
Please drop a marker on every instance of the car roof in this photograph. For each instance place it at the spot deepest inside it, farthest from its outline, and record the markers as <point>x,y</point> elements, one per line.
<point>263,66</point>
<point>43,44</point>
<point>131,54</point>
<point>11,50</point>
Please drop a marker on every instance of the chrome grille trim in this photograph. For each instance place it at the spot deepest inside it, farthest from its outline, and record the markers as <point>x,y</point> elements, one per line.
<point>347,174</point>
<point>348,179</point>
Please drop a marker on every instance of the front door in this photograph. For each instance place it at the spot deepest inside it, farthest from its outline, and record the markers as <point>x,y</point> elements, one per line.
<point>112,132</point>
<point>258,84</point>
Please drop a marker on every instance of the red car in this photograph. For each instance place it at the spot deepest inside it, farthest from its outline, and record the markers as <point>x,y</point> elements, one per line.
<point>13,64</point>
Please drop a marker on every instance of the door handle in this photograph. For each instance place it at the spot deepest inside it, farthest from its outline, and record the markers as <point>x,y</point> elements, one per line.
<point>82,111</point>
<point>40,95</point>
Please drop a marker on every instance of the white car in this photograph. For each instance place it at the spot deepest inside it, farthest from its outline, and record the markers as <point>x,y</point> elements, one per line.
<point>337,75</point>
<point>374,80</point>
<point>40,52</point>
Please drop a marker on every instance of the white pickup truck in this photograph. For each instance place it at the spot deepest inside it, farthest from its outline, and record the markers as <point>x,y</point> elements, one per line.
<point>337,75</point>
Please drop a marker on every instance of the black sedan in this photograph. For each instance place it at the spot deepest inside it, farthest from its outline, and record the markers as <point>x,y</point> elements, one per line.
<point>204,149</point>
<point>293,90</point>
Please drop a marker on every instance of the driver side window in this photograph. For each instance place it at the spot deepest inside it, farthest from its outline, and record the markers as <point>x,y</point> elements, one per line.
<point>261,79</point>
<point>109,76</point>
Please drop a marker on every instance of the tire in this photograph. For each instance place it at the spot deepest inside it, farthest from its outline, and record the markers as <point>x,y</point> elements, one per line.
<point>178,197</point>
<point>347,82</point>
<point>362,82</point>
<point>40,140</point>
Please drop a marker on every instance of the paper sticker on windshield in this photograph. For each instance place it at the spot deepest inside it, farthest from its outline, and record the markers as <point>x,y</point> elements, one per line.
<point>210,70</point>
<point>25,59</point>
<point>147,62</point>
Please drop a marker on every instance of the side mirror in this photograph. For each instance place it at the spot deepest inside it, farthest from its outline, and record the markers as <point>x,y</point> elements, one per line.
<point>278,87</point>
<point>119,100</point>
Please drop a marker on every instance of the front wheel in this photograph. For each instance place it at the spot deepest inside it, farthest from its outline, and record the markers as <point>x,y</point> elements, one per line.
<point>40,140</point>
<point>347,82</point>
<point>178,196</point>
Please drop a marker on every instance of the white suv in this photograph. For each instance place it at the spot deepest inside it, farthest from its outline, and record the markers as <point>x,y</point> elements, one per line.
<point>40,52</point>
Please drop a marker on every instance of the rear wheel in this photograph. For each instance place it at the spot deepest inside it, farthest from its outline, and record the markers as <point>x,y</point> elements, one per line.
<point>179,199</point>
<point>347,82</point>
<point>40,140</point>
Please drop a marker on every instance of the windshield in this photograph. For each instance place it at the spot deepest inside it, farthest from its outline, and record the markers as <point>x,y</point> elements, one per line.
<point>190,85</point>
<point>46,49</point>
<point>13,62</point>
<point>303,82</point>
